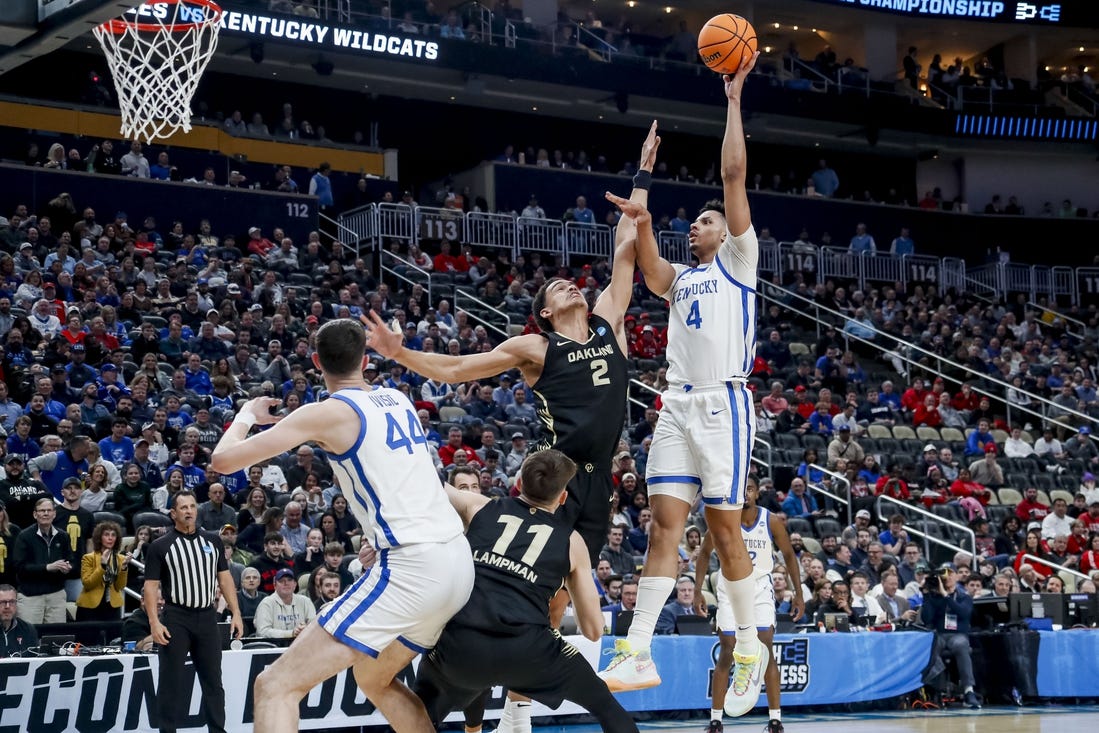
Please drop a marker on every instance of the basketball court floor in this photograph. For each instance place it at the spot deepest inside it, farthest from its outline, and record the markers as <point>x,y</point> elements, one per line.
<point>1060,719</point>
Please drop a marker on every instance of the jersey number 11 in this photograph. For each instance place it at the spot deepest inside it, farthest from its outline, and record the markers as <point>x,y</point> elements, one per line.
<point>541,534</point>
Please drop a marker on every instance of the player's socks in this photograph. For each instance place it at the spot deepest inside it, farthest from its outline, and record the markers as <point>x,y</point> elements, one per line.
<point>516,717</point>
<point>774,714</point>
<point>521,718</point>
<point>715,714</point>
<point>742,597</point>
<point>652,595</point>
<point>506,723</point>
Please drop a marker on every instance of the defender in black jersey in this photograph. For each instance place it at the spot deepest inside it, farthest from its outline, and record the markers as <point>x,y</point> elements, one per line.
<point>576,367</point>
<point>581,401</point>
<point>522,554</point>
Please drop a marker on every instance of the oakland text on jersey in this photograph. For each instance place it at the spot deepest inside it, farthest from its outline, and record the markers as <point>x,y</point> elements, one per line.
<point>703,288</point>
<point>591,352</point>
<point>505,563</point>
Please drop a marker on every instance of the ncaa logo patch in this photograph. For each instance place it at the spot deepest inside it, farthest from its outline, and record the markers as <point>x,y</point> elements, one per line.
<point>602,330</point>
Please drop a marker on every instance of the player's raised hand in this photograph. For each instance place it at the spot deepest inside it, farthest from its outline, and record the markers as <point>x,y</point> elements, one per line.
<point>648,149</point>
<point>632,209</point>
<point>379,336</point>
<point>734,84</point>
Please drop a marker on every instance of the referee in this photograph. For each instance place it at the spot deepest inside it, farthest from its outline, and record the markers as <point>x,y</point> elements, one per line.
<point>187,564</point>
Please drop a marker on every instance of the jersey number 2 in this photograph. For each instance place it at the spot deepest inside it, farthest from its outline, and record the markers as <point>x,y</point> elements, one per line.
<point>396,438</point>
<point>541,534</point>
<point>694,318</point>
<point>599,372</point>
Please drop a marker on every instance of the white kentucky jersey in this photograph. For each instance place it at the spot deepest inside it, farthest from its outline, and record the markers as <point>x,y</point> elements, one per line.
<point>712,324</point>
<point>760,543</point>
<point>388,476</point>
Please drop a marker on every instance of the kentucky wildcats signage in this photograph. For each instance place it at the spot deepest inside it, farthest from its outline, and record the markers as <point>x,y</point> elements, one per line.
<point>291,28</point>
<point>327,36</point>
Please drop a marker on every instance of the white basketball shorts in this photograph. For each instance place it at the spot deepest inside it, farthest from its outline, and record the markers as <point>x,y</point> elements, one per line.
<point>703,439</point>
<point>408,596</point>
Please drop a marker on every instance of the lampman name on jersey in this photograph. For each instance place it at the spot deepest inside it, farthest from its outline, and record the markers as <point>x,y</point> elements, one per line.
<point>504,563</point>
<point>702,288</point>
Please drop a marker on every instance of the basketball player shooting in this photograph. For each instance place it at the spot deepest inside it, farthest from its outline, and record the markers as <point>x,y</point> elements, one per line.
<point>704,436</point>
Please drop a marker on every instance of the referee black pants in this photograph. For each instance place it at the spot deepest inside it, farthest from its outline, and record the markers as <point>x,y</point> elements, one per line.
<point>195,632</point>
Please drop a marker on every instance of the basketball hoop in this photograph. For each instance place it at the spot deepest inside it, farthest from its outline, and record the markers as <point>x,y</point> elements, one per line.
<point>157,53</point>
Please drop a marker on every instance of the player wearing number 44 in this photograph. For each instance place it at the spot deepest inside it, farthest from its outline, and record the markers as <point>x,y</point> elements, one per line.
<point>424,571</point>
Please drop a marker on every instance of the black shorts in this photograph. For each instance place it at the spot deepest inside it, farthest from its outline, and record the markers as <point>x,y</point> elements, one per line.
<point>588,507</point>
<point>537,663</point>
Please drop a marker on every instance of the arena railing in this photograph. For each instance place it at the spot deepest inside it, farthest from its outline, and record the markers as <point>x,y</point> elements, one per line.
<point>130,591</point>
<point>905,508</point>
<point>588,240</point>
<point>893,348</point>
<point>395,221</point>
<point>344,234</point>
<point>855,79</point>
<point>812,75</point>
<point>1074,574</point>
<point>363,221</point>
<point>541,235</point>
<point>487,315</point>
<point>1079,326</point>
<point>1082,100</point>
<point>492,230</point>
<point>867,268</point>
<point>399,268</point>
<point>1087,283</point>
<point>376,223</point>
<point>674,246</point>
<point>434,224</point>
<point>844,498</point>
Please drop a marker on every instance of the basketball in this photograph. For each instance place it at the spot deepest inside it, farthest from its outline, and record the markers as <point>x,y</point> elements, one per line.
<point>725,42</point>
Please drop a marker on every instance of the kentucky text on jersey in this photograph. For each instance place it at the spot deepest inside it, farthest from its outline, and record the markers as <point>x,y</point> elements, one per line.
<point>757,543</point>
<point>504,563</point>
<point>703,288</point>
<point>590,353</point>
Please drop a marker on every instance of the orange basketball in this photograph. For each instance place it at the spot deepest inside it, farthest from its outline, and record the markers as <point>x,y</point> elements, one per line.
<point>726,42</point>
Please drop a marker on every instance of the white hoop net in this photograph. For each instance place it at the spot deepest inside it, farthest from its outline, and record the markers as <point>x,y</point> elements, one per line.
<point>156,55</point>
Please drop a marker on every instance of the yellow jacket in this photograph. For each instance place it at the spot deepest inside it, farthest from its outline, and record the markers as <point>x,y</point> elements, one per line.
<point>91,574</point>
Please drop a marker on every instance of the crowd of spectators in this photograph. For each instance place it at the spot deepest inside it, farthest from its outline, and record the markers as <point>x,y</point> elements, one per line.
<point>127,348</point>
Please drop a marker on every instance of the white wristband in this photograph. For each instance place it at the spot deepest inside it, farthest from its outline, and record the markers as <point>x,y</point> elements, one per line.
<point>246,419</point>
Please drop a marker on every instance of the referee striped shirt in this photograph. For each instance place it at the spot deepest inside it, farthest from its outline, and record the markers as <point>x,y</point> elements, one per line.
<point>187,566</point>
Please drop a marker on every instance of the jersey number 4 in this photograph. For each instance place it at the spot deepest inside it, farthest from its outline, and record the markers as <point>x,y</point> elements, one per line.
<point>541,534</point>
<point>694,317</point>
<point>397,438</point>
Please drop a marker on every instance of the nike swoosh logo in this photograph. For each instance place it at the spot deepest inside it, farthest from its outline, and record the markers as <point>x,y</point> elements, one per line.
<point>715,412</point>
